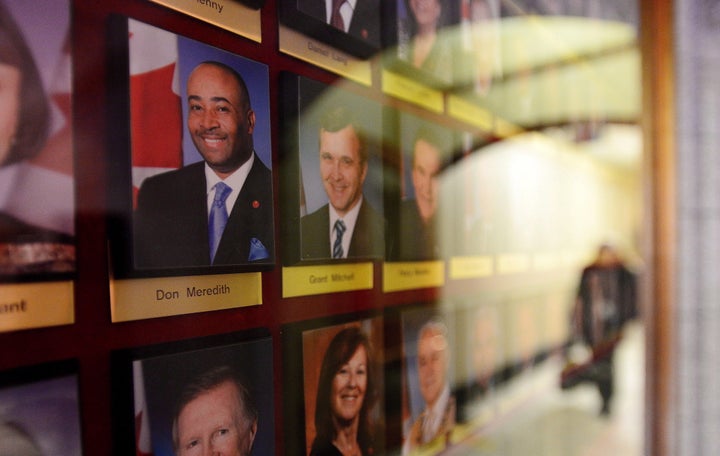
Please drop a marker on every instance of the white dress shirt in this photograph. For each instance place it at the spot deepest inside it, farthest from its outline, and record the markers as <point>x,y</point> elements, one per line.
<point>346,11</point>
<point>235,181</point>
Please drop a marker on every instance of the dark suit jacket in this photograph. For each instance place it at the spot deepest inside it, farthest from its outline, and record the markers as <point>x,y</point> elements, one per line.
<point>416,240</point>
<point>365,22</point>
<point>367,239</point>
<point>171,220</point>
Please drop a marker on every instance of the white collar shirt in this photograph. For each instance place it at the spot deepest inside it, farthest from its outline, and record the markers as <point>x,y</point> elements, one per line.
<point>235,181</point>
<point>346,11</point>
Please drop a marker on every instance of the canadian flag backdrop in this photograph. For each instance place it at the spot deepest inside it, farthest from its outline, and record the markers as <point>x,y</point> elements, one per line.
<point>155,105</point>
<point>143,439</point>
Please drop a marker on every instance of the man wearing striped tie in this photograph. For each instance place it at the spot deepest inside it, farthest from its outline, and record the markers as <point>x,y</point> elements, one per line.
<point>347,226</point>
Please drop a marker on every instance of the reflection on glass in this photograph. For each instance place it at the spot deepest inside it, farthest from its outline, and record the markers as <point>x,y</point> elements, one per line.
<point>36,177</point>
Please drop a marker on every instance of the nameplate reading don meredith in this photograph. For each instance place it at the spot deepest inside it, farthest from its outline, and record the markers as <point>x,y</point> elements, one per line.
<point>138,299</point>
<point>313,280</point>
<point>413,275</point>
<point>320,54</point>
<point>227,14</point>
<point>36,305</point>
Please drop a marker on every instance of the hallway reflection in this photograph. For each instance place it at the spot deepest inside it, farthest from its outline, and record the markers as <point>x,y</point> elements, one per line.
<point>565,423</point>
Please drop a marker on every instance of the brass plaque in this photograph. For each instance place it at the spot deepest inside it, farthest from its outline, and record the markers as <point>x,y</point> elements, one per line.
<point>36,305</point>
<point>471,267</point>
<point>413,275</point>
<point>313,280</point>
<point>409,90</point>
<point>138,299</point>
<point>227,14</point>
<point>469,112</point>
<point>320,54</point>
<point>546,261</point>
<point>513,263</point>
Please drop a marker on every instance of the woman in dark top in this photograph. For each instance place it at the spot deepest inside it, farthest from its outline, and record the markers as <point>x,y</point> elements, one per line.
<point>346,393</point>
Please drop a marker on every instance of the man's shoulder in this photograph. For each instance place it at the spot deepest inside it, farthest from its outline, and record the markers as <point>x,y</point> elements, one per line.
<point>194,170</point>
<point>409,210</point>
<point>317,216</point>
<point>370,214</point>
<point>260,169</point>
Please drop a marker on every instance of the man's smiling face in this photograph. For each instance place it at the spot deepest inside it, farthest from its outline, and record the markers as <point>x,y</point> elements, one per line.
<point>220,120</point>
<point>341,168</point>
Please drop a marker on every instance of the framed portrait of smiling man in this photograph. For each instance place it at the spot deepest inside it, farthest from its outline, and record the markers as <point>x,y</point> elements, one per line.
<point>211,395</point>
<point>332,186</point>
<point>192,181</point>
<point>341,366</point>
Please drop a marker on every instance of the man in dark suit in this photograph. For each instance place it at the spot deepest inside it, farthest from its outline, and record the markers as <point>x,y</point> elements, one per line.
<point>218,211</point>
<point>348,226</point>
<point>359,18</point>
<point>418,232</point>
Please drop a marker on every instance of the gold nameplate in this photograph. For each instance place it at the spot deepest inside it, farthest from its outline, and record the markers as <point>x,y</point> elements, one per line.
<point>313,280</point>
<point>413,275</point>
<point>36,305</point>
<point>573,259</point>
<point>227,14</point>
<point>409,90</point>
<point>138,299</point>
<point>513,263</point>
<point>504,129</point>
<point>545,261</point>
<point>433,447</point>
<point>471,267</point>
<point>327,57</point>
<point>464,431</point>
<point>469,112</point>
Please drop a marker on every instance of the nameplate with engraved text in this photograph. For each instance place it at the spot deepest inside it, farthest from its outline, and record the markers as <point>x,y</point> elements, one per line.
<point>36,305</point>
<point>409,90</point>
<point>227,14</point>
<point>546,261</point>
<point>313,51</point>
<point>413,275</point>
<point>138,299</point>
<point>469,112</point>
<point>314,280</point>
<point>513,263</point>
<point>471,267</point>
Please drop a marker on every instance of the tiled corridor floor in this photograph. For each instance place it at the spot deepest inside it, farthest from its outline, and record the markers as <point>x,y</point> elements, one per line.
<point>567,423</point>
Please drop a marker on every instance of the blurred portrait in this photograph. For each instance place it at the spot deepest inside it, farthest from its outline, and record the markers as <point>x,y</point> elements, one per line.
<point>37,212</point>
<point>480,46</point>
<point>202,180</point>
<point>40,416</point>
<point>430,406</point>
<point>343,386</point>
<point>484,360</point>
<point>426,152</point>
<point>425,36</point>
<point>341,188</point>
<point>358,18</point>
<point>215,400</point>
